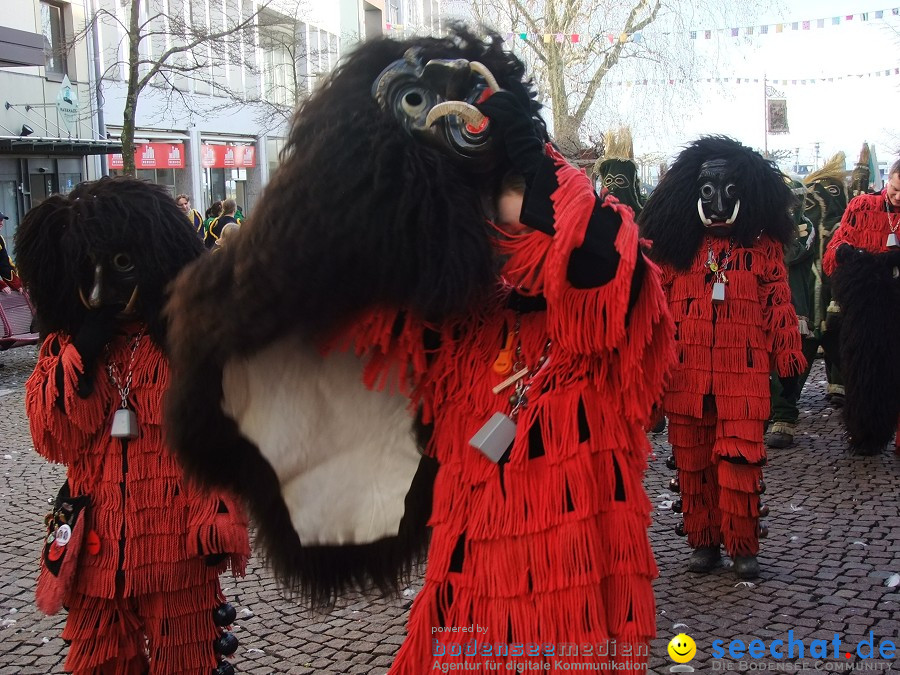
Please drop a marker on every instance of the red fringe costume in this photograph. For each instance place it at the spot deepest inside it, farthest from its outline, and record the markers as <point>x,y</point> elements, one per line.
<point>549,547</point>
<point>864,225</point>
<point>148,586</point>
<point>717,398</point>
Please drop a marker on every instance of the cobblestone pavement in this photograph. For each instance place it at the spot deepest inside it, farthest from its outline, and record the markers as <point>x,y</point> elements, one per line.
<point>831,564</point>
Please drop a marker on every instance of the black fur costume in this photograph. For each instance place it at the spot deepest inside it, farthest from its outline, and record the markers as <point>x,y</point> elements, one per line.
<point>867,286</point>
<point>304,266</point>
<point>100,219</point>
<point>665,217</point>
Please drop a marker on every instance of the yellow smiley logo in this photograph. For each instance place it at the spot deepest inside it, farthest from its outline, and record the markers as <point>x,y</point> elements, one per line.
<point>682,648</point>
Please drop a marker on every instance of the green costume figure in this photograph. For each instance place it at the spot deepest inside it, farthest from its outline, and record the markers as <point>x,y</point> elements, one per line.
<point>826,201</point>
<point>802,258</point>
<point>617,172</point>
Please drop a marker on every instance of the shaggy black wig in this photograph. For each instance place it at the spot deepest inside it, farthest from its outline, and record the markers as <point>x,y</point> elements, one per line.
<point>868,289</point>
<point>670,218</point>
<point>58,239</point>
<point>358,216</point>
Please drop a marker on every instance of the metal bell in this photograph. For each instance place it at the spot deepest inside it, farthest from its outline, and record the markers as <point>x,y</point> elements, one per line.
<point>670,462</point>
<point>763,510</point>
<point>677,506</point>
<point>674,486</point>
<point>679,529</point>
<point>224,614</point>
<point>124,424</point>
<point>226,644</point>
<point>763,530</point>
<point>761,488</point>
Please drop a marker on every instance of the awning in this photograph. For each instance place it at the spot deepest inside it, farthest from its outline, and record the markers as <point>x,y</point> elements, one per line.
<point>31,145</point>
<point>20,48</point>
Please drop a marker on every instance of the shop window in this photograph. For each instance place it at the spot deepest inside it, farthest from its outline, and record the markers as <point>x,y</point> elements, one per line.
<point>53,28</point>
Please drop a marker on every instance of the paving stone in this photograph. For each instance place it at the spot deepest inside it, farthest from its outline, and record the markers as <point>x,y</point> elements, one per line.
<point>834,541</point>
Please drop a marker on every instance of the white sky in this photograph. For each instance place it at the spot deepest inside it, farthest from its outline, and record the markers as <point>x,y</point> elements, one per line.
<point>839,116</point>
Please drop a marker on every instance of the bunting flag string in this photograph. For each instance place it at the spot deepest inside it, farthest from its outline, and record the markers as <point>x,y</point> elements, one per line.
<point>785,82</point>
<point>706,34</point>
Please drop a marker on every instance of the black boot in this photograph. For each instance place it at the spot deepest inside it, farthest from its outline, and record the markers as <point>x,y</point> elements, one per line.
<point>780,435</point>
<point>746,566</point>
<point>704,559</point>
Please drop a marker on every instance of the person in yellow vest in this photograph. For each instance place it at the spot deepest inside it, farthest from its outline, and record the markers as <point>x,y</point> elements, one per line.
<point>193,215</point>
<point>229,207</point>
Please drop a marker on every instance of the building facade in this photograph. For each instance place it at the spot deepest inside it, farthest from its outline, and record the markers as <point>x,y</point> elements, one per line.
<point>48,134</point>
<point>223,80</point>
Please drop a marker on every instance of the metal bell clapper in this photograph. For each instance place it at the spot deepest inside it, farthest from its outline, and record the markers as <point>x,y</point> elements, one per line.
<point>124,424</point>
<point>893,241</point>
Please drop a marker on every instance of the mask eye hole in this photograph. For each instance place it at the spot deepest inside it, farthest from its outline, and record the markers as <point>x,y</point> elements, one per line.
<point>707,191</point>
<point>730,190</point>
<point>122,262</point>
<point>413,102</point>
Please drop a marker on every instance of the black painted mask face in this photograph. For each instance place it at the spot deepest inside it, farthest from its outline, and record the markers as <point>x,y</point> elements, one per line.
<point>719,200</point>
<point>434,103</point>
<point>110,281</point>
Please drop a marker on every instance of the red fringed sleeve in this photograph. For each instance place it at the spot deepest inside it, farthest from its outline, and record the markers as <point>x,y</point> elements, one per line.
<point>864,225</point>
<point>598,320</point>
<point>779,317</point>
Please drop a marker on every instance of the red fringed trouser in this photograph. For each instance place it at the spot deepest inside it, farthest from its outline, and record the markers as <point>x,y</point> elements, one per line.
<point>720,497</point>
<point>112,636</point>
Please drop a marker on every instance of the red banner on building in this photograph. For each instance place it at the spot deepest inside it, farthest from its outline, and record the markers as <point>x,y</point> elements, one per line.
<point>228,156</point>
<point>153,156</point>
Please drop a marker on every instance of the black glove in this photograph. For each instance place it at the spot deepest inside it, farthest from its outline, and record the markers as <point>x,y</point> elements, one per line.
<point>96,330</point>
<point>846,253</point>
<point>511,118</point>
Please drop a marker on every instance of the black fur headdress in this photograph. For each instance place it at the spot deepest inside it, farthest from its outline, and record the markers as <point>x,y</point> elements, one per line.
<point>358,216</point>
<point>670,217</point>
<point>58,239</point>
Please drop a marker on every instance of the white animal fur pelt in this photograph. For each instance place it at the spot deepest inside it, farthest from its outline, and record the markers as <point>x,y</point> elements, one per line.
<point>345,456</point>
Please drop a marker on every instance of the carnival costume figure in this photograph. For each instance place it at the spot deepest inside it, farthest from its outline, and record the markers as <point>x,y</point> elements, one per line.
<point>719,221</point>
<point>826,201</point>
<point>801,258</point>
<point>528,357</point>
<point>144,594</point>
<point>863,259</point>
<point>617,172</point>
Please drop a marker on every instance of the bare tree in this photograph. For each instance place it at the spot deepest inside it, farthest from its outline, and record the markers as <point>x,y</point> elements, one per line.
<point>169,44</point>
<point>292,54</point>
<point>648,39</point>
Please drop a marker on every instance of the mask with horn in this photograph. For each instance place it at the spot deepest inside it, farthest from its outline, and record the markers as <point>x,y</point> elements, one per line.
<point>719,201</point>
<point>110,281</point>
<point>434,101</point>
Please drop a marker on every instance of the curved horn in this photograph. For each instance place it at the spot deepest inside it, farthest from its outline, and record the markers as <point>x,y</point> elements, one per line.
<point>734,213</point>
<point>488,76</point>
<point>469,113</point>
<point>703,218</point>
